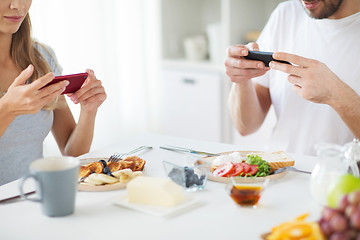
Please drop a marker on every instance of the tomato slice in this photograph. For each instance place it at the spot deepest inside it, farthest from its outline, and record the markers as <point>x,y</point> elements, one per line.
<point>239,169</point>
<point>253,169</point>
<point>224,169</point>
<point>246,167</point>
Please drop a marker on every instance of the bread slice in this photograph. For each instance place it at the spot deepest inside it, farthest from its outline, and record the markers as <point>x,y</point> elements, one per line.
<point>277,159</point>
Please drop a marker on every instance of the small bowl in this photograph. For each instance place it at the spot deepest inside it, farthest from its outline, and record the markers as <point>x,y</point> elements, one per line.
<point>192,178</point>
<point>246,194</point>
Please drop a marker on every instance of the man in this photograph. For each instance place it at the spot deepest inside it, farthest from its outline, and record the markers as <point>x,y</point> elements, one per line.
<point>316,99</point>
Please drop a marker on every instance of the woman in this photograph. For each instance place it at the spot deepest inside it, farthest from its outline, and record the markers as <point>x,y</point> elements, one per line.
<point>28,110</point>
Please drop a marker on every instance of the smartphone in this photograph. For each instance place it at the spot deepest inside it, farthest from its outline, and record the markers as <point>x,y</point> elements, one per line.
<point>75,81</point>
<point>265,57</point>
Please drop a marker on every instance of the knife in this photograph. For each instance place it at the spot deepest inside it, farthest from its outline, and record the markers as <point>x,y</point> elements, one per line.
<point>187,150</point>
<point>15,198</point>
<point>280,170</point>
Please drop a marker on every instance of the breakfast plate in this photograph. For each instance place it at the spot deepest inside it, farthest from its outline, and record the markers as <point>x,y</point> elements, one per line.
<point>190,202</point>
<point>243,154</point>
<point>83,186</point>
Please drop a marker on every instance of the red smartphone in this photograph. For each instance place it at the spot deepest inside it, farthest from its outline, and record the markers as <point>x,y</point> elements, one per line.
<point>75,81</point>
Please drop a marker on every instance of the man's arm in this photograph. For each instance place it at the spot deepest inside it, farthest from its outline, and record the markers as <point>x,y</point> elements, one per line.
<point>248,103</point>
<point>315,82</point>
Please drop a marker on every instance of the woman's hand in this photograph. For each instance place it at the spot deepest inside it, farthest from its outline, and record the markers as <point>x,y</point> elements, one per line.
<point>312,79</point>
<point>240,69</point>
<point>22,98</point>
<point>91,95</point>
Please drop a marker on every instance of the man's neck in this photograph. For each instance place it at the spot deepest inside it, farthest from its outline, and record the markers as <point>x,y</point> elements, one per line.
<point>347,8</point>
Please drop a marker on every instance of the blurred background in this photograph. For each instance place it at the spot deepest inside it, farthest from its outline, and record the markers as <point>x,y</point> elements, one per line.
<point>160,61</point>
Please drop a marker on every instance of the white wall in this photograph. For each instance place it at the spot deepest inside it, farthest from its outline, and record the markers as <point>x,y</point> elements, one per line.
<point>117,39</point>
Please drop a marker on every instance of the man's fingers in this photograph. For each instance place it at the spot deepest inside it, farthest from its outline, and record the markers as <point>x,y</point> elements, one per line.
<point>295,80</point>
<point>237,51</point>
<point>253,46</point>
<point>24,76</point>
<point>243,63</point>
<point>295,59</point>
<point>286,68</point>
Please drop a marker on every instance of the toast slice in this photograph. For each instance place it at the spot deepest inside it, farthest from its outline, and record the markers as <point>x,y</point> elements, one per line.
<point>277,159</point>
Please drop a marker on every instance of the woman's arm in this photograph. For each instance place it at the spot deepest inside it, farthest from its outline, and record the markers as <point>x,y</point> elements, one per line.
<point>75,139</point>
<point>23,98</point>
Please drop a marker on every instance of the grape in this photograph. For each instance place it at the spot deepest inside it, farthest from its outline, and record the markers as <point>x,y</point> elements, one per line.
<point>343,203</point>
<point>339,223</point>
<point>326,228</point>
<point>328,213</point>
<point>355,219</point>
<point>354,198</point>
<point>357,237</point>
<point>341,236</point>
<point>350,210</point>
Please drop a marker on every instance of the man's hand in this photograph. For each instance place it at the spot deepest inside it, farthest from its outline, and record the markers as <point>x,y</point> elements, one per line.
<point>312,79</point>
<point>240,69</point>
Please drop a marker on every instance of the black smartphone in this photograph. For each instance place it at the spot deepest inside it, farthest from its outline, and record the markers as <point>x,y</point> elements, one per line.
<point>75,81</point>
<point>265,57</point>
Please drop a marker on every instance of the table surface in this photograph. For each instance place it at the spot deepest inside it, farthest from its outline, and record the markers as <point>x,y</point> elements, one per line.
<point>217,217</point>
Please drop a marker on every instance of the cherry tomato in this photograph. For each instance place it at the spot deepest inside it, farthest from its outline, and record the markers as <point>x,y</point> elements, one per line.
<point>224,169</point>
<point>239,169</point>
<point>246,167</point>
<point>253,169</point>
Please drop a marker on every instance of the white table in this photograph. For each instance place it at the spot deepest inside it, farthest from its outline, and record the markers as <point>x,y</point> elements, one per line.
<point>96,217</point>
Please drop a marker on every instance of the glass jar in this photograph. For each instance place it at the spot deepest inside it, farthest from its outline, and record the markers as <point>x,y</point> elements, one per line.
<point>352,156</point>
<point>330,165</point>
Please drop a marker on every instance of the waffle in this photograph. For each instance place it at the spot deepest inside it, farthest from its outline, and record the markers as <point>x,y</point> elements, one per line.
<point>133,163</point>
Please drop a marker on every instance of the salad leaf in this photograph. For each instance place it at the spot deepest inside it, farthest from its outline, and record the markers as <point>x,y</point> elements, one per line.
<point>263,166</point>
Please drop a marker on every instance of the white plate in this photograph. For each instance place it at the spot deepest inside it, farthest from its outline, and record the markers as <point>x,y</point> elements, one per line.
<point>189,203</point>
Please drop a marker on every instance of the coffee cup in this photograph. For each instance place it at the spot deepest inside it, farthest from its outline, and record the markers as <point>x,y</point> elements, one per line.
<point>56,180</point>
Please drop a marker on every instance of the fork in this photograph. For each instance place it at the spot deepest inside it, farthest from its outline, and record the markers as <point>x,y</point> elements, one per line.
<point>117,156</point>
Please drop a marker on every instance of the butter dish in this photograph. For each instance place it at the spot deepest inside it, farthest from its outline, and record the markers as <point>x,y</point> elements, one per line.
<point>189,203</point>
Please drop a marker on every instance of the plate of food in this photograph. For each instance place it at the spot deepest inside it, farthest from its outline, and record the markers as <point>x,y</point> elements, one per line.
<point>248,166</point>
<point>97,174</point>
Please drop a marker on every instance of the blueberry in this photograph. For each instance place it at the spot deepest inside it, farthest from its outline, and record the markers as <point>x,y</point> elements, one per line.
<point>103,163</point>
<point>175,172</point>
<point>177,176</point>
<point>191,180</point>
<point>106,170</point>
<point>188,171</point>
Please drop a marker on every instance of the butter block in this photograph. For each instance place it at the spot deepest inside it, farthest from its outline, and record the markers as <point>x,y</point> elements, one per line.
<point>154,191</point>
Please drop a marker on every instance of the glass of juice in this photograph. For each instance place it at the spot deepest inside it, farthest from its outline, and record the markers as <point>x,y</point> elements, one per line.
<point>246,193</point>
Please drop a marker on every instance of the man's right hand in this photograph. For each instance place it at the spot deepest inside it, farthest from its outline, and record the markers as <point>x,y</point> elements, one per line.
<point>240,69</point>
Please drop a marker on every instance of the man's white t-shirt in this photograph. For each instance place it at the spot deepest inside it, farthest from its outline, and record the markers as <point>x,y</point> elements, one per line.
<point>300,123</point>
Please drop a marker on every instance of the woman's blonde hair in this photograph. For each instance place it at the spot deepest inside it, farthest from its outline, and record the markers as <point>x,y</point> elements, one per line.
<point>23,53</point>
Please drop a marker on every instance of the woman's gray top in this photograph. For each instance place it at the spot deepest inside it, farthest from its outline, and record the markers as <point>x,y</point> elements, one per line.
<point>22,141</point>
